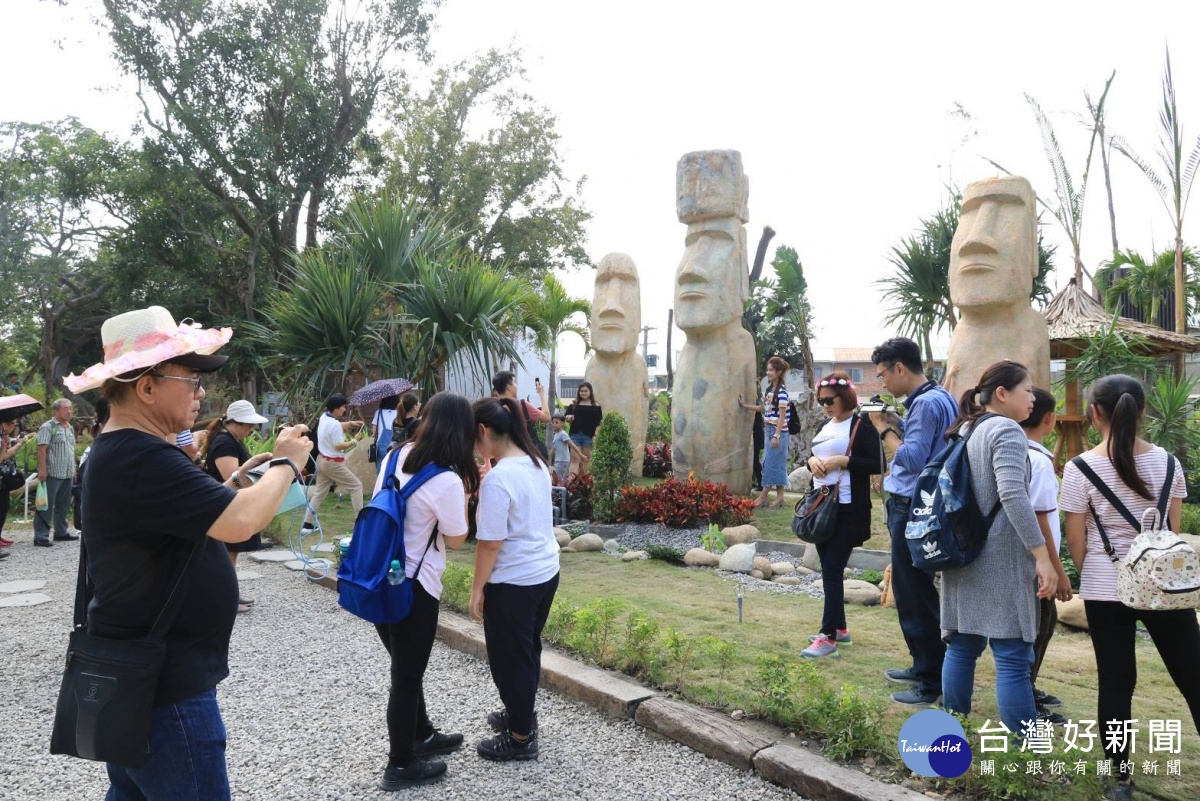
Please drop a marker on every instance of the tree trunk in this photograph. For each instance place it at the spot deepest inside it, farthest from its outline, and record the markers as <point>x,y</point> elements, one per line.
<point>1180,301</point>
<point>670,361</point>
<point>552,392</point>
<point>314,215</point>
<point>761,255</point>
<point>1112,210</point>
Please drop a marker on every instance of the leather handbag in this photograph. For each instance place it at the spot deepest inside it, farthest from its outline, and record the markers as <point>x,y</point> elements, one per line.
<point>373,450</point>
<point>814,518</point>
<point>107,694</point>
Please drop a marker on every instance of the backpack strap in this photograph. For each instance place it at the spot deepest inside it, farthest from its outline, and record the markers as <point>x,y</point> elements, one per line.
<point>420,477</point>
<point>1111,497</point>
<point>991,516</point>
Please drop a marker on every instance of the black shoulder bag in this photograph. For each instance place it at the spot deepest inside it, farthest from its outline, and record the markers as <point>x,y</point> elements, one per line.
<point>373,450</point>
<point>107,695</point>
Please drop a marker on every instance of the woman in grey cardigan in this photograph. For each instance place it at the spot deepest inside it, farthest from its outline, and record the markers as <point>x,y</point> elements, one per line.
<point>995,598</point>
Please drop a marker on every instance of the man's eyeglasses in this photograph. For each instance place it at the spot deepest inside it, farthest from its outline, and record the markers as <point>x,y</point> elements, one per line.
<point>194,380</point>
<point>827,401</point>
<point>879,376</point>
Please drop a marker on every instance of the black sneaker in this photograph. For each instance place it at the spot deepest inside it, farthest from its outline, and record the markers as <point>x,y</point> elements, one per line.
<point>66,538</point>
<point>418,772</point>
<point>504,747</point>
<point>1056,718</point>
<point>917,697</point>
<point>1045,699</point>
<point>901,676</point>
<point>499,720</point>
<point>437,745</point>
<point>43,543</point>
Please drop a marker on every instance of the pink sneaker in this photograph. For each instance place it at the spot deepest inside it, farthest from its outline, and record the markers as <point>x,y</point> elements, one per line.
<point>822,646</point>
<point>842,638</point>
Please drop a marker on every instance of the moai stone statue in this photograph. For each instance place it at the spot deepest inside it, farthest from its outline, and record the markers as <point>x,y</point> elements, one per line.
<point>617,371</point>
<point>711,436</point>
<point>993,261</point>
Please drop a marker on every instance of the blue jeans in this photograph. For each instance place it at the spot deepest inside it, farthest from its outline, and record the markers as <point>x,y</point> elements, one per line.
<point>186,760</point>
<point>917,603</point>
<point>1014,689</point>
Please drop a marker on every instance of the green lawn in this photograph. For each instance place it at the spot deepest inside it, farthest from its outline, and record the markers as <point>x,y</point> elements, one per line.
<point>776,524</point>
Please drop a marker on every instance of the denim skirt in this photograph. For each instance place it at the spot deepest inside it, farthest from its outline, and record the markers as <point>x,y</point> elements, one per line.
<point>774,463</point>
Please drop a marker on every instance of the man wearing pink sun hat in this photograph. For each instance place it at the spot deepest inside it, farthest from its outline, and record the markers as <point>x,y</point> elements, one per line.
<point>154,555</point>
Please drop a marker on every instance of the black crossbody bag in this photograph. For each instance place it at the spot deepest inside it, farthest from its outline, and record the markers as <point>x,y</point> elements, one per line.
<point>107,694</point>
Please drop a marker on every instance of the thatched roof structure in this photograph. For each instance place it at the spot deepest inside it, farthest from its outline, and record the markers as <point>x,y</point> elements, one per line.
<point>1073,317</point>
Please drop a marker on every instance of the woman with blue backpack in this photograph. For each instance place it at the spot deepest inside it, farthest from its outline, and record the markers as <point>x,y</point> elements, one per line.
<point>435,518</point>
<point>516,571</point>
<point>993,600</point>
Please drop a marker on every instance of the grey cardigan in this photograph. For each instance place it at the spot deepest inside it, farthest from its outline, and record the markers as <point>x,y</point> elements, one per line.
<point>996,595</point>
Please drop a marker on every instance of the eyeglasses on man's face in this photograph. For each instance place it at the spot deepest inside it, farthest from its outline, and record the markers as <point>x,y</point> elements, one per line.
<point>879,376</point>
<point>194,380</point>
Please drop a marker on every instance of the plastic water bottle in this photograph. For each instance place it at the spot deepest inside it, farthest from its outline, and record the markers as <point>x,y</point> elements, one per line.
<point>396,573</point>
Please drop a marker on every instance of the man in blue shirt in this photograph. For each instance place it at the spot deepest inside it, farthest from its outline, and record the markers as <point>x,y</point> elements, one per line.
<point>930,411</point>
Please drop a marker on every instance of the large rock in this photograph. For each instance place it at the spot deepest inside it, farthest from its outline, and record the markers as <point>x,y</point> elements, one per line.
<point>1071,613</point>
<point>698,557</point>
<point>633,556</point>
<point>585,542</point>
<point>738,559</point>
<point>617,370</point>
<point>757,574</point>
<point>562,537</point>
<point>799,479</point>
<point>805,571</point>
<point>782,567</point>
<point>739,535</point>
<point>812,559</point>
<point>763,565</point>
<point>863,593</point>
<point>788,580</point>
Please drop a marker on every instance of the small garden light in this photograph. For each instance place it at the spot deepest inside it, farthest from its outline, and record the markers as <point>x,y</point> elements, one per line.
<point>741,594</point>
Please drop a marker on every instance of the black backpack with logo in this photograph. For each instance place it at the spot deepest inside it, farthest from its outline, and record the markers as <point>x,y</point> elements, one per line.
<point>793,424</point>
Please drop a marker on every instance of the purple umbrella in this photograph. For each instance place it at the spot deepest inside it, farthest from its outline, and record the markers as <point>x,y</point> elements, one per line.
<point>378,390</point>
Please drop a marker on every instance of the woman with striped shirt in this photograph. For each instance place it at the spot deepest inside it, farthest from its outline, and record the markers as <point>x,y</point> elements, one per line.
<point>775,415</point>
<point>1135,471</point>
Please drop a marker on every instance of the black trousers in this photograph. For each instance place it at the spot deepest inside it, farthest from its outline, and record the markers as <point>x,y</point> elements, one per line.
<point>835,555</point>
<point>918,604</point>
<point>1047,620</point>
<point>1176,635</point>
<point>409,643</point>
<point>5,504</point>
<point>513,619</point>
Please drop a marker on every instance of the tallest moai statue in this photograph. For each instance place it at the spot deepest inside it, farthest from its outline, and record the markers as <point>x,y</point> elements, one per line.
<point>711,435</point>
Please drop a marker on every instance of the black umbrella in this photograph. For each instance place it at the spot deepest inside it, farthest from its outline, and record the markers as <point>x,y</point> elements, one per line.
<point>14,407</point>
<point>378,390</point>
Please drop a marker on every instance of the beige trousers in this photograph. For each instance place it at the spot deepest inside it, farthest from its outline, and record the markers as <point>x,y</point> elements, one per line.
<point>328,474</point>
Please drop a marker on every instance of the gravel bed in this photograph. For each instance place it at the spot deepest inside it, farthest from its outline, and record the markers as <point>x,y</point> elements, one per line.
<point>304,707</point>
<point>636,536</point>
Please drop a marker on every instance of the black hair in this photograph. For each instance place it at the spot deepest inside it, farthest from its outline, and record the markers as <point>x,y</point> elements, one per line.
<point>1122,401</point>
<point>103,410</point>
<point>591,390</point>
<point>335,402</point>
<point>390,402</point>
<point>503,417</point>
<point>1043,404</point>
<point>1006,373</point>
<point>501,380</point>
<point>899,350</point>
<point>446,437</point>
<point>409,402</point>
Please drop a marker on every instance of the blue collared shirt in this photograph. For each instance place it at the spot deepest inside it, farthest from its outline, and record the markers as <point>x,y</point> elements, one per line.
<point>931,411</point>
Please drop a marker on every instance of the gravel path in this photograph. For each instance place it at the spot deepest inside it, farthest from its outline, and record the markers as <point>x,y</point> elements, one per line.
<point>304,707</point>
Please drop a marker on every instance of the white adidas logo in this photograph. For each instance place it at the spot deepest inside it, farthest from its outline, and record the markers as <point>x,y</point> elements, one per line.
<point>926,507</point>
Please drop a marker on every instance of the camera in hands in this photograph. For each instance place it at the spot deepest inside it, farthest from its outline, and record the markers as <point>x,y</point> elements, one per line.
<point>877,405</point>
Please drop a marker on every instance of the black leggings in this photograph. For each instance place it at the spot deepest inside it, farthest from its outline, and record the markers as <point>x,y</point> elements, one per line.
<point>5,504</point>
<point>409,642</point>
<point>835,555</point>
<point>513,618</point>
<point>1176,635</point>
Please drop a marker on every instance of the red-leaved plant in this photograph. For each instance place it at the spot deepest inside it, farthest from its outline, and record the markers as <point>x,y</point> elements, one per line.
<point>683,504</point>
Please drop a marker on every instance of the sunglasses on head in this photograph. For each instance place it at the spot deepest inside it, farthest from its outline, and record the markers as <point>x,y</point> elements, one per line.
<point>827,401</point>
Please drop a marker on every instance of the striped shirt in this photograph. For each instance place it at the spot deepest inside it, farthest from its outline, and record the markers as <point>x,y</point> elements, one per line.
<point>771,404</point>
<point>1098,575</point>
<point>184,439</point>
<point>60,448</point>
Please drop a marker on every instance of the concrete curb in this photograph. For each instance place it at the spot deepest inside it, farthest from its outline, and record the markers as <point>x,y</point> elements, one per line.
<point>761,748</point>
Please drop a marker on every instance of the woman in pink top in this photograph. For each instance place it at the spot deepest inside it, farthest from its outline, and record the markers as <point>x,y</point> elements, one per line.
<point>1135,471</point>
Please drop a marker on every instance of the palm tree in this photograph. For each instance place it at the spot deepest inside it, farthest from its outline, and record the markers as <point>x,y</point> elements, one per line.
<point>788,307</point>
<point>1146,282</point>
<point>549,314</point>
<point>1096,111</point>
<point>1174,189</point>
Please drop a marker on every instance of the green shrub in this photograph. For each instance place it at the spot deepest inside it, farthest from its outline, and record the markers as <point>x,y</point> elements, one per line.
<point>871,575</point>
<point>638,650</point>
<point>456,587</point>
<point>713,540</point>
<point>1064,556</point>
<point>595,628</point>
<point>680,649</point>
<point>1189,521</point>
<point>611,465</point>
<point>665,553</point>
<point>775,688</point>
<point>561,624</point>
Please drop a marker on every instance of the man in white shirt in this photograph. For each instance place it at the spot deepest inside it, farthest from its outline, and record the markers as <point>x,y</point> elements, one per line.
<point>332,446</point>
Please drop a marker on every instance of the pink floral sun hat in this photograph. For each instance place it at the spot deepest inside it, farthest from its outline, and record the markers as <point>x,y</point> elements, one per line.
<point>142,338</point>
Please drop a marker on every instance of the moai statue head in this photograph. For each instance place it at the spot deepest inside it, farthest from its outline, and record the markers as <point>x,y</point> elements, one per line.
<point>994,255</point>
<point>712,281</point>
<point>617,306</point>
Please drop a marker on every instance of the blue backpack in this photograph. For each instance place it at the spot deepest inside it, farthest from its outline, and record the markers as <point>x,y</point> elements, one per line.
<point>946,529</point>
<point>363,587</point>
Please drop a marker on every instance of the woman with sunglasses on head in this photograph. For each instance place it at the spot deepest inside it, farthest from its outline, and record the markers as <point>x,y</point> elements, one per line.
<point>845,454</point>
<point>774,410</point>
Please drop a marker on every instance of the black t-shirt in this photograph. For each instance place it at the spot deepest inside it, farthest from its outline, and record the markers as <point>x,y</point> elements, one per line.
<point>144,506</point>
<point>587,418</point>
<point>224,444</point>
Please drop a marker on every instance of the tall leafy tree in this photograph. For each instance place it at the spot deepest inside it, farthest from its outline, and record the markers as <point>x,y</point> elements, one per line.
<point>477,149</point>
<point>1173,185</point>
<point>551,312</point>
<point>1147,282</point>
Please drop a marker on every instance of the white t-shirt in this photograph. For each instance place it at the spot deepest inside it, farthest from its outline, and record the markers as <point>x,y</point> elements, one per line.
<point>384,419</point>
<point>1043,488</point>
<point>329,436</point>
<point>832,440</point>
<point>515,509</point>
<point>440,501</point>
<point>1098,575</point>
